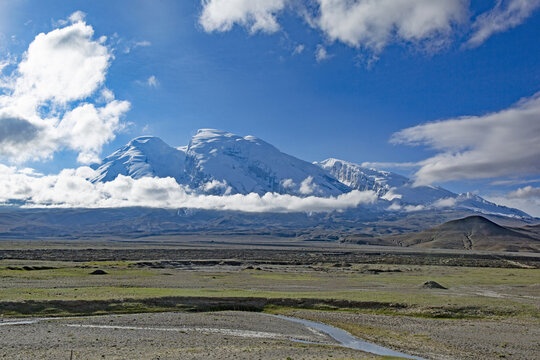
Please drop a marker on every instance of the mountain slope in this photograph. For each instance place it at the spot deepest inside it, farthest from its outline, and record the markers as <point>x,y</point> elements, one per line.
<point>386,184</point>
<point>401,191</point>
<point>217,162</point>
<point>248,164</point>
<point>143,156</point>
<point>470,233</point>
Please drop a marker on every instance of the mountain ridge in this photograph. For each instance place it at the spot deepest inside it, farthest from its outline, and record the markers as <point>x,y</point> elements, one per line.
<point>217,162</point>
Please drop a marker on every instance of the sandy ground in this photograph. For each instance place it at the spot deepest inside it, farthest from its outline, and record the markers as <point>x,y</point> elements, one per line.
<point>440,339</point>
<point>219,335</point>
<point>245,335</point>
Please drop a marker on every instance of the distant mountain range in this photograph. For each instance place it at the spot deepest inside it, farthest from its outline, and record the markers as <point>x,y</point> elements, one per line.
<point>220,163</point>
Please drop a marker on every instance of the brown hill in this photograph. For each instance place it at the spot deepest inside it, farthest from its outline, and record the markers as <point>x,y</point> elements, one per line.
<point>471,233</point>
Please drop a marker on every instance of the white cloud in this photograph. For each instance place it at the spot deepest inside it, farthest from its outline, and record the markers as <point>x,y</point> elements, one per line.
<point>412,208</point>
<point>143,43</point>
<point>132,45</point>
<point>215,186</point>
<point>321,54</point>
<point>40,111</point>
<point>503,143</point>
<point>298,49</point>
<point>152,81</point>
<point>527,192</point>
<point>370,24</point>
<point>288,183</point>
<point>396,206</point>
<point>77,16</point>
<point>506,14</point>
<point>107,95</point>
<point>62,65</point>
<point>87,128</point>
<point>526,198</point>
<point>515,182</point>
<point>307,186</point>
<point>256,15</point>
<point>445,202</point>
<point>71,188</point>
<point>373,24</point>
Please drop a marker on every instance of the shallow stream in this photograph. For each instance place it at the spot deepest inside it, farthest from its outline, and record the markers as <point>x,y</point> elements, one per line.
<point>347,340</point>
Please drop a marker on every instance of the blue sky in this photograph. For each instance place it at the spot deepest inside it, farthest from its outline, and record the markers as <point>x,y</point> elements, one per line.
<point>262,71</point>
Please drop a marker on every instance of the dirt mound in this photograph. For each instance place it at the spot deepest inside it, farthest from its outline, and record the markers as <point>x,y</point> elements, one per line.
<point>98,272</point>
<point>471,233</point>
<point>432,285</point>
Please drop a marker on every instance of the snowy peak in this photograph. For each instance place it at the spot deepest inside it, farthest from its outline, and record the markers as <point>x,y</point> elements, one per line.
<point>219,162</point>
<point>143,156</point>
<point>361,178</point>
<point>402,193</point>
<point>474,202</point>
<point>387,185</point>
<point>248,164</point>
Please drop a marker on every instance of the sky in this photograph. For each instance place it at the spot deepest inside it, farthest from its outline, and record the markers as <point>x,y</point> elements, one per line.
<point>444,91</point>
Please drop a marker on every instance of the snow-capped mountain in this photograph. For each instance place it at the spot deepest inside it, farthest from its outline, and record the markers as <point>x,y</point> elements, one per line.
<point>476,203</point>
<point>400,190</point>
<point>221,160</point>
<point>386,184</point>
<point>218,162</point>
<point>143,156</point>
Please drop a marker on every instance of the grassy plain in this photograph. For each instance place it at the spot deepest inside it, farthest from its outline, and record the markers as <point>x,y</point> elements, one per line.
<point>397,289</point>
<point>379,297</point>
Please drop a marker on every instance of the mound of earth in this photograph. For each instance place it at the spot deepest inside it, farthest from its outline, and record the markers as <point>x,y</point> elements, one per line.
<point>432,285</point>
<point>471,233</point>
<point>98,272</point>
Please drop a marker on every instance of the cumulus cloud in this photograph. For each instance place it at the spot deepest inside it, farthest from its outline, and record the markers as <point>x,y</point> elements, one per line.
<point>307,186</point>
<point>499,144</point>
<point>77,16</point>
<point>62,65</point>
<point>369,24</point>
<point>288,183</point>
<point>527,192</point>
<point>373,24</point>
<point>14,130</point>
<point>505,14</point>
<point>445,202</point>
<point>72,188</point>
<point>87,128</point>
<point>255,15</point>
<point>47,100</point>
<point>217,187</point>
